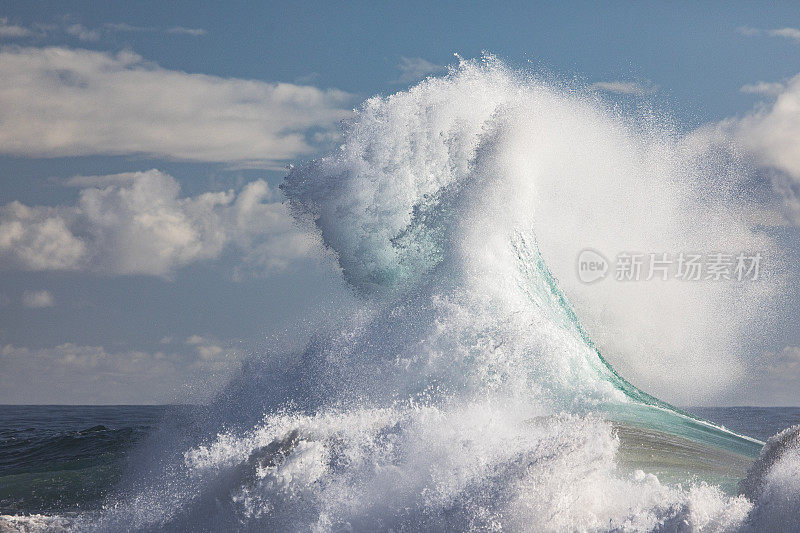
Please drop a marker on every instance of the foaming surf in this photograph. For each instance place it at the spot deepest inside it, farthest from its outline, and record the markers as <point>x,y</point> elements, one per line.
<point>473,389</point>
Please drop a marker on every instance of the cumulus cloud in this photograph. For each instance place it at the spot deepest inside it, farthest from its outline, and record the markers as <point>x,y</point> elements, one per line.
<point>772,132</point>
<point>37,299</point>
<point>137,223</point>
<point>785,33</point>
<point>11,31</point>
<point>769,137</point>
<point>38,239</point>
<point>205,349</point>
<point>624,87</point>
<point>70,373</point>
<point>65,102</point>
<point>763,88</point>
<point>415,68</point>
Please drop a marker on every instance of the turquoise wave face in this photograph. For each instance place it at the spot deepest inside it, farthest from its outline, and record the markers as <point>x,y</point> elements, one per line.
<point>438,191</point>
<point>642,409</point>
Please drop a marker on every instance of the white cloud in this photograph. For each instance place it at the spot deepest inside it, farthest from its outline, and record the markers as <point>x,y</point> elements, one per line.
<point>137,223</point>
<point>785,363</point>
<point>786,33</point>
<point>624,87</point>
<point>82,32</point>
<point>747,30</point>
<point>772,132</point>
<point>11,31</point>
<point>38,239</point>
<point>205,349</point>
<point>415,68</point>
<point>769,136</point>
<point>125,27</point>
<point>37,299</point>
<point>774,379</point>
<point>128,28</point>
<point>763,88</point>
<point>64,102</point>
<point>71,373</point>
<point>180,30</point>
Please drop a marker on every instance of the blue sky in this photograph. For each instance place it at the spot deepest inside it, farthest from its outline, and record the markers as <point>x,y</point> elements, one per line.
<point>196,108</point>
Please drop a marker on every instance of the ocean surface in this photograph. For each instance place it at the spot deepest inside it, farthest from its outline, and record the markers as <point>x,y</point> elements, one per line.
<point>57,459</point>
<point>479,384</point>
<point>65,459</point>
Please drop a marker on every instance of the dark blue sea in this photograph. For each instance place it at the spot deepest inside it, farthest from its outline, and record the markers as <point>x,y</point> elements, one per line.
<point>65,458</point>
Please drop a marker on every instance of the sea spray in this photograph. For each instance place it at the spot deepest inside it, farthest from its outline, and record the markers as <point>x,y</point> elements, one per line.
<point>467,393</point>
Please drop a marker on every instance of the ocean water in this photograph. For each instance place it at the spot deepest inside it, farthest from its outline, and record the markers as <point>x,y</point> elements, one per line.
<point>480,385</point>
<point>759,422</point>
<point>64,461</point>
<point>56,459</point>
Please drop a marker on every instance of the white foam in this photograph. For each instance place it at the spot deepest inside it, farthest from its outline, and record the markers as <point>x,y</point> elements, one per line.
<point>480,466</point>
<point>34,523</point>
<point>447,170</point>
<point>773,483</point>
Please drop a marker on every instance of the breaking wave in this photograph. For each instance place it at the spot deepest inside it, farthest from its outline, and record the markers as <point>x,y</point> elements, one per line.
<point>473,389</point>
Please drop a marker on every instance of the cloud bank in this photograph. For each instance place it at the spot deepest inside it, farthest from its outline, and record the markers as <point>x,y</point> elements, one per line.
<point>137,223</point>
<point>64,102</point>
<point>191,371</point>
<point>773,380</point>
<point>83,33</point>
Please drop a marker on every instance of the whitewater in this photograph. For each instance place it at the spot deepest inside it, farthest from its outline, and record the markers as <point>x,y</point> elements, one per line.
<point>479,386</point>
